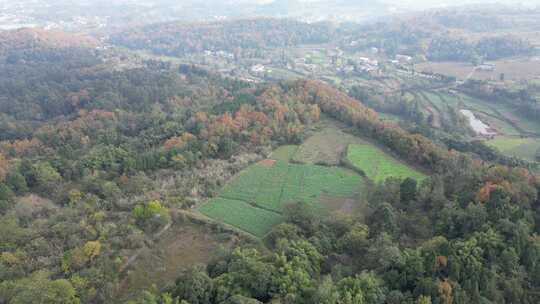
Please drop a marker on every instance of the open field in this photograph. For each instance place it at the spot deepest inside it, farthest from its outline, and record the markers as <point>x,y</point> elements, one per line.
<point>242,215</point>
<point>183,246</point>
<point>513,69</point>
<point>509,122</point>
<point>254,200</point>
<point>460,70</point>
<point>273,187</point>
<point>525,148</point>
<point>325,147</point>
<point>389,117</point>
<point>501,117</point>
<point>284,153</point>
<point>377,165</point>
<point>517,135</point>
<point>486,112</point>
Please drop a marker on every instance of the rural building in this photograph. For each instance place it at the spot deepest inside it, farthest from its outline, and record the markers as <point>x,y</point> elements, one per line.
<point>258,68</point>
<point>486,67</point>
<point>403,59</point>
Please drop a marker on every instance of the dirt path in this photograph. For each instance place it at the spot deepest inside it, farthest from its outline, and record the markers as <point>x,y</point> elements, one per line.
<point>136,255</point>
<point>471,74</point>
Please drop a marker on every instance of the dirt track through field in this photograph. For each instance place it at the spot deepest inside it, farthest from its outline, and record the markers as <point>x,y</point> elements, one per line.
<point>134,256</point>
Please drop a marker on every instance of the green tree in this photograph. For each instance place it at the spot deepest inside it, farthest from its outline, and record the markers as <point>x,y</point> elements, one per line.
<point>383,220</point>
<point>251,273</point>
<point>408,190</point>
<point>297,265</point>
<point>300,214</point>
<point>195,287</point>
<point>151,215</point>
<point>423,300</point>
<point>38,289</point>
<point>17,182</point>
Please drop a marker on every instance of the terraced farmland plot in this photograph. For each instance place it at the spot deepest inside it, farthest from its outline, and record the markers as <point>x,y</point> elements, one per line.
<point>259,184</point>
<point>377,165</point>
<point>525,148</point>
<point>261,192</point>
<point>274,187</point>
<point>284,153</point>
<point>325,147</point>
<point>241,215</point>
<point>502,117</point>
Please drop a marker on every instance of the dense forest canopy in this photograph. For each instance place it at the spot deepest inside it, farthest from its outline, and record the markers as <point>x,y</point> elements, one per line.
<point>434,36</point>
<point>177,39</point>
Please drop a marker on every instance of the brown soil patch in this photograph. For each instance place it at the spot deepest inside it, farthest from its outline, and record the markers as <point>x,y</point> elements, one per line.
<point>268,163</point>
<point>338,204</point>
<point>178,249</point>
<point>325,147</point>
<point>344,206</point>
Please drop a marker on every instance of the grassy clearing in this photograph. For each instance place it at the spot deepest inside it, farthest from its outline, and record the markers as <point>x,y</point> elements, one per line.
<point>306,183</point>
<point>274,187</point>
<point>325,147</point>
<point>486,112</point>
<point>284,153</point>
<point>389,117</point>
<point>240,214</point>
<point>259,185</point>
<point>514,69</point>
<point>181,247</point>
<point>518,147</point>
<point>500,116</point>
<point>377,165</point>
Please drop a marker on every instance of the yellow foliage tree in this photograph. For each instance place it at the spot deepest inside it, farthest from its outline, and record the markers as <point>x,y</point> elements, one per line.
<point>423,300</point>
<point>92,249</point>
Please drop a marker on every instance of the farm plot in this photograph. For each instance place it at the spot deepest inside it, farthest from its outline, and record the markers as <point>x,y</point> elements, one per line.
<point>325,147</point>
<point>486,112</point>
<point>259,185</point>
<point>284,153</point>
<point>504,117</point>
<point>525,148</point>
<point>377,165</point>
<point>253,200</point>
<point>181,247</point>
<point>240,214</point>
<point>272,188</point>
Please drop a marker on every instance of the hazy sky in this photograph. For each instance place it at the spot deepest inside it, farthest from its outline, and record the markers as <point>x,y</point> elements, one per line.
<point>21,13</point>
<point>423,3</point>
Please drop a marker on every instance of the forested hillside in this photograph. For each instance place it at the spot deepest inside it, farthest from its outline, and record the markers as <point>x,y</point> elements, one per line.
<point>176,39</point>
<point>107,157</point>
<point>28,39</point>
<point>453,34</point>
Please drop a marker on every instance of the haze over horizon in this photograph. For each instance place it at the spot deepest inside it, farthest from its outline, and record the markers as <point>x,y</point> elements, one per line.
<point>92,15</point>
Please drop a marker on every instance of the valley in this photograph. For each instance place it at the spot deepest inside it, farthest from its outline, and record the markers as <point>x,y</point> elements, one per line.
<point>202,154</point>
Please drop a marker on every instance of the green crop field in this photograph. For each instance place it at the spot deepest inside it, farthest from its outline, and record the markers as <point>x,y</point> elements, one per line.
<point>284,153</point>
<point>239,214</point>
<point>525,148</point>
<point>377,165</point>
<point>273,187</point>
<point>254,200</point>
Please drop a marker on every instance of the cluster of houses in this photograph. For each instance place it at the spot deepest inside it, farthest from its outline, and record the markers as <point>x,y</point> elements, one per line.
<point>402,59</point>
<point>486,67</point>
<point>365,64</point>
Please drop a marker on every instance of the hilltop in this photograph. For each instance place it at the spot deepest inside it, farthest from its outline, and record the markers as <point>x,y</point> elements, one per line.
<point>34,38</point>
